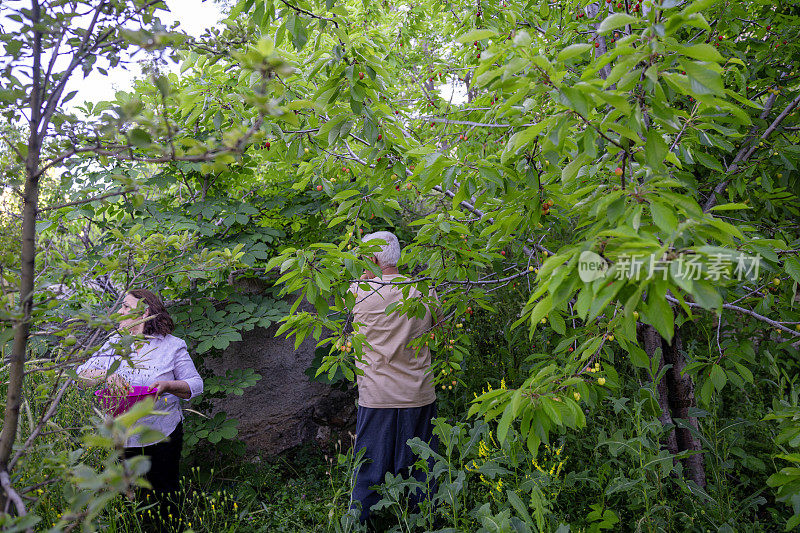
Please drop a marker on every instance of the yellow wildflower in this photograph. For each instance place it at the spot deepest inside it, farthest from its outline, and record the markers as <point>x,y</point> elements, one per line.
<point>503,383</point>
<point>483,449</point>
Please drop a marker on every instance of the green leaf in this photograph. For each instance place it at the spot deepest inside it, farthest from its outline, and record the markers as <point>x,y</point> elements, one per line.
<point>702,79</point>
<point>703,52</point>
<point>707,160</point>
<point>573,50</point>
<point>655,149</point>
<point>706,391</point>
<point>638,356</point>
<point>509,413</point>
<point>617,20</point>
<point>557,323</point>
<point>519,506</point>
<point>697,6</point>
<point>659,315</point>
<point>476,35</point>
<point>571,170</point>
<point>664,217</point>
<point>792,266</point>
<point>139,138</point>
<point>730,207</point>
<point>718,377</point>
<point>297,28</point>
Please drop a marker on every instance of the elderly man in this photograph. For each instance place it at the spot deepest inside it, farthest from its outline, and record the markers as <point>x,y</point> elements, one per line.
<point>396,397</point>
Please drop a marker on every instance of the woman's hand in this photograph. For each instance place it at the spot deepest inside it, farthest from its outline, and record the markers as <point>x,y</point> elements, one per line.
<point>176,387</point>
<point>90,378</point>
<point>117,385</point>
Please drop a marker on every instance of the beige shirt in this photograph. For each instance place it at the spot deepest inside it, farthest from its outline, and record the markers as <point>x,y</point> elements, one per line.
<point>394,376</point>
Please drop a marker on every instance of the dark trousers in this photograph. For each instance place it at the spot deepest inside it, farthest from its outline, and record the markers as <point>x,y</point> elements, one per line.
<point>163,476</point>
<point>384,433</point>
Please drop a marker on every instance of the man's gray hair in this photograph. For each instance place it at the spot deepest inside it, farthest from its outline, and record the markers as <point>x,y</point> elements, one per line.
<point>389,254</point>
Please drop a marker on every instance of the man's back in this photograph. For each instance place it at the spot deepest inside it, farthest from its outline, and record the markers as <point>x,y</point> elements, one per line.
<point>395,377</point>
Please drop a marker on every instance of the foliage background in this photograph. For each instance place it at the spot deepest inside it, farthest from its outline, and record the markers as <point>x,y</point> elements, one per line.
<point>664,129</point>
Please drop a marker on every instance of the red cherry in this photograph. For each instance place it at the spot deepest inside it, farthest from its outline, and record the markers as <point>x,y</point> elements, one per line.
<point>618,171</point>
<point>502,252</point>
<point>479,55</point>
<point>380,136</point>
<point>769,28</point>
<point>476,43</point>
<point>268,145</point>
<point>361,75</point>
<point>319,187</point>
<point>460,137</point>
<point>597,45</point>
<point>719,37</point>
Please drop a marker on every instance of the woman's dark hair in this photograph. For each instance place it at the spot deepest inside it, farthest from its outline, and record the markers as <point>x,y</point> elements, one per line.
<point>159,322</point>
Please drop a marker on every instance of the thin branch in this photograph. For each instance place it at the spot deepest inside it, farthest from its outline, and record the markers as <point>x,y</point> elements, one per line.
<point>87,200</point>
<point>38,429</point>
<point>744,311</point>
<point>13,496</point>
<point>310,14</point>
<point>474,124</point>
<point>743,155</point>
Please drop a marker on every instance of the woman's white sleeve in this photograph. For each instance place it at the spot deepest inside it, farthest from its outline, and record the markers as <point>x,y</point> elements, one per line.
<point>99,361</point>
<point>186,371</point>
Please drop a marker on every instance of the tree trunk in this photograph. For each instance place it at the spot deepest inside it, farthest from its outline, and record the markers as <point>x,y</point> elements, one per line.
<point>675,397</point>
<point>681,398</point>
<point>16,367</point>
<point>651,341</point>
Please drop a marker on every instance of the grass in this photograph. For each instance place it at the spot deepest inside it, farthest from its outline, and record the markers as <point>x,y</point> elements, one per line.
<point>301,490</point>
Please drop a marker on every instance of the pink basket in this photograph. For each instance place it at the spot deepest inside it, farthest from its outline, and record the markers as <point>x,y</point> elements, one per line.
<point>116,405</point>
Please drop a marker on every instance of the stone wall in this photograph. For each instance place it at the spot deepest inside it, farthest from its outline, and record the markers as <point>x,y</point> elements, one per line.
<point>284,408</point>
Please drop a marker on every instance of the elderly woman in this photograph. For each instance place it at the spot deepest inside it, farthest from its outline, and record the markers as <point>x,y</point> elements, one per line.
<point>161,362</point>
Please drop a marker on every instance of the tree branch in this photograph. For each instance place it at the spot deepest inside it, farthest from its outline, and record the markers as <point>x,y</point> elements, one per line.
<point>744,311</point>
<point>87,200</point>
<point>13,496</point>
<point>744,154</point>
<point>309,13</point>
